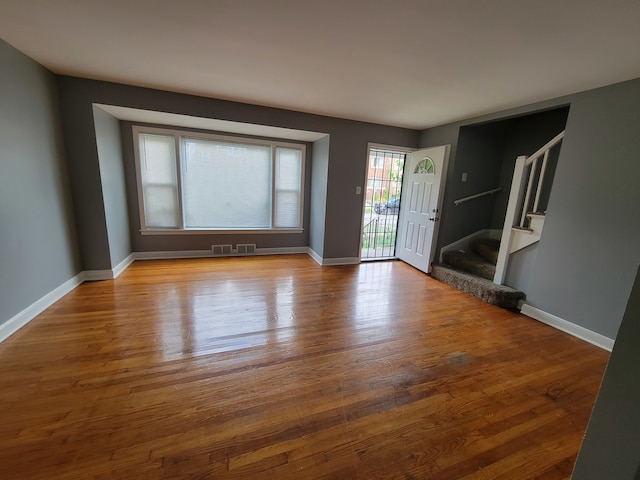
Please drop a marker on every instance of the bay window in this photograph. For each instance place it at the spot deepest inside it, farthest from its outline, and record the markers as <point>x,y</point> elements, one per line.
<point>192,182</point>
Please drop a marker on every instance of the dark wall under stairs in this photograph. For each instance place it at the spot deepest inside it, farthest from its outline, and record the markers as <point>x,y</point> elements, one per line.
<point>486,152</point>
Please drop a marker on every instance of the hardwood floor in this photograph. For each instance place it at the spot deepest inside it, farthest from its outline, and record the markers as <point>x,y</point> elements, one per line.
<point>277,368</point>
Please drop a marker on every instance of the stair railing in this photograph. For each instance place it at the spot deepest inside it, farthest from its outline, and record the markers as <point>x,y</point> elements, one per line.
<point>536,180</point>
<point>526,171</point>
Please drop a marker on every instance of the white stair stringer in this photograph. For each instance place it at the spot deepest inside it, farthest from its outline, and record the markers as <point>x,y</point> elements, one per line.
<point>517,238</point>
<point>523,237</point>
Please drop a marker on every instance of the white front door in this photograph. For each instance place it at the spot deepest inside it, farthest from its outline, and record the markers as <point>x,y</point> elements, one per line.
<point>425,171</point>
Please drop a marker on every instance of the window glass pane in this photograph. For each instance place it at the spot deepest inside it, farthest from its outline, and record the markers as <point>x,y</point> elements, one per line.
<point>226,185</point>
<point>160,206</point>
<point>159,180</point>
<point>158,159</point>
<point>426,166</point>
<point>288,166</point>
<point>287,209</point>
<point>288,185</point>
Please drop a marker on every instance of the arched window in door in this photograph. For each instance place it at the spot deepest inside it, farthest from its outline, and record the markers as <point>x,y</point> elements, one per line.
<point>425,166</point>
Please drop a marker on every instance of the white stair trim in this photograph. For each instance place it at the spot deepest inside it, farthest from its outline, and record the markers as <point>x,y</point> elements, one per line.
<point>523,237</point>
<point>582,333</point>
<point>515,199</point>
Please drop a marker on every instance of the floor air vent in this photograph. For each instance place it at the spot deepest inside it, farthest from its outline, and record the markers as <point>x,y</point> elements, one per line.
<point>246,249</point>
<point>218,250</point>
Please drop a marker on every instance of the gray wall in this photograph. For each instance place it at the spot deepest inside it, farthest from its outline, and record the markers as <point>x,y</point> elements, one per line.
<point>84,173</point>
<point>346,167</point>
<point>38,245</point>
<point>611,447</point>
<point>520,268</point>
<point>589,251</point>
<point>586,258</point>
<point>479,154</point>
<point>319,176</point>
<point>109,145</point>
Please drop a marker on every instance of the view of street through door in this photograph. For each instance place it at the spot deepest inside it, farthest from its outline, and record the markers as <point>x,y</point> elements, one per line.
<point>382,204</point>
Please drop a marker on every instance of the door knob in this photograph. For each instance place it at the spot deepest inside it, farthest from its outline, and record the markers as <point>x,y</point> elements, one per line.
<point>434,219</point>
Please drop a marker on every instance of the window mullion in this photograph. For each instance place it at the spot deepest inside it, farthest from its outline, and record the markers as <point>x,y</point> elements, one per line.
<point>274,150</point>
<point>179,161</point>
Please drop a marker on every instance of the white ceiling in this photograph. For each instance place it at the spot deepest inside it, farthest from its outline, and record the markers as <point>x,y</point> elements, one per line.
<point>410,63</point>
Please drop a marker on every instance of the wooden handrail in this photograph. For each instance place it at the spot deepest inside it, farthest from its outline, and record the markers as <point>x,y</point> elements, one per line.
<point>532,162</point>
<point>547,146</point>
<point>477,195</point>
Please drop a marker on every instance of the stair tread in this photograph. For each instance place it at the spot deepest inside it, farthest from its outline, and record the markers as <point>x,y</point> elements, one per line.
<point>470,262</point>
<point>486,247</point>
<point>479,287</point>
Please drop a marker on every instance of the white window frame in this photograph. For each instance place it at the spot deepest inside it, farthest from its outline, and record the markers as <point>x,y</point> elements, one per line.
<point>178,135</point>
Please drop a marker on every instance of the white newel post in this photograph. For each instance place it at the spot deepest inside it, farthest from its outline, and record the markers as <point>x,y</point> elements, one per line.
<point>515,199</point>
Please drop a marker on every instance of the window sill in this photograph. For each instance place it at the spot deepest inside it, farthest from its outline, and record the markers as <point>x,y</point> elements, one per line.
<point>214,231</point>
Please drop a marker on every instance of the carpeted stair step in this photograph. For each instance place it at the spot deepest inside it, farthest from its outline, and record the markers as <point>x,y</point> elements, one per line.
<point>482,288</point>
<point>469,262</point>
<point>486,247</point>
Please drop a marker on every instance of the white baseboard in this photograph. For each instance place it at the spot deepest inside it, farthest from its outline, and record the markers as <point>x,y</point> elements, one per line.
<point>122,266</point>
<point>168,255</point>
<point>282,250</point>
<point>313,254</point>
<point>341,261</point>
<point>97,275</point>
<point>333,261</point>
<point>571,328</point>
<point>18,321</point>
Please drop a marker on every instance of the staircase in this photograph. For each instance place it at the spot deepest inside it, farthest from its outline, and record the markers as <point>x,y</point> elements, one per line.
<point>523,222</point>
<point>480,270</point>
<point>473,270</point>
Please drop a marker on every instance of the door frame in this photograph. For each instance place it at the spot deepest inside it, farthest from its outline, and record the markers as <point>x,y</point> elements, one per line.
<point>363,188</point>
